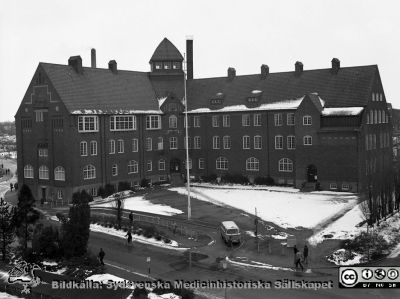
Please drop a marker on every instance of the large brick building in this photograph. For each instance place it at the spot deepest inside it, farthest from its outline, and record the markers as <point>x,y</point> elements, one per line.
<point>83,127</point>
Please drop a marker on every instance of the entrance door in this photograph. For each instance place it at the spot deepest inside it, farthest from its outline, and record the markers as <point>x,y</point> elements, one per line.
<point>175,165</point>
<point>311,173</point>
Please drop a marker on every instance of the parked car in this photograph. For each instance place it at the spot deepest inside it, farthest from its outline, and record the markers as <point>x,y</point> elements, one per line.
<point>230,232</point>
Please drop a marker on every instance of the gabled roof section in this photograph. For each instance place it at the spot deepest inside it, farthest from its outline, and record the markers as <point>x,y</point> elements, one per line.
<point>350,87</point>
<point>99,91</point>
<point>166,51</point>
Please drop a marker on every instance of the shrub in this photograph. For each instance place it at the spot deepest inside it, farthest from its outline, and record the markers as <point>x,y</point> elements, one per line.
<point>46,242</point>
<point>144,183</point>
<point>158,238</point>
<point>264,181</point>
<point>211,178</point>
<point>108,190</point>
<point>235,179</point>
<point>123,186</point>
<point>101,192</point>
<point>377,245</point>
<point>167,241</point>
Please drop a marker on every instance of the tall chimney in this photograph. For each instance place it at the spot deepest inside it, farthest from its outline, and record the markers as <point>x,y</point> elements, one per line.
<point>264,71</point>
<point>298,67</point>
<point>335,65</point>
<point>189,58</point>
<point>76,63</point>
<point>93,56</point>
<point>231,73</point>
<point>112,66</point>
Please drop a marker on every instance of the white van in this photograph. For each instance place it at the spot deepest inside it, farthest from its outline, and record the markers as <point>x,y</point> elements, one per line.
<point>230,232</point>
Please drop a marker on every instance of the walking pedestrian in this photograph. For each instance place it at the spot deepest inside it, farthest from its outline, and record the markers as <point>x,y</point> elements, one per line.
<point>11,186</point>
<point>298,261</point>
<point>305,254</point>
<point>129,237</point>
<point>174,226</point>
<point>101,256</point>
<point>295,250</point>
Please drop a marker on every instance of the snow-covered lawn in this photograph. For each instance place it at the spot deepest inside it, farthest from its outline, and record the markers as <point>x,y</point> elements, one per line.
<point>141,239</point>
<point>286,209</point>
<point>139,204</point>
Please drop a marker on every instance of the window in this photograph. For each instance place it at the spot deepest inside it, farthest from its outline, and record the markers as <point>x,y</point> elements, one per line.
<point>215,121</point>
<point>93,148</point>
<point>285,165</point>
<point>307,120</point>
<point>114,170</point>
<point>112,146</point>
<point>93,192</point>
<point>246,142</point>
<point>160,143</point>
<point>176,65</point>
<point>59,194</point>
<point>149,165</point>
<point>123,123</point>
<point>246,120</point>
<point>59,173</point>
<point>43,172</point>
<point>290,119</point>
<point>252,164</point>
<point>135,145</point>
<point>278,142</point>
<point>83,148</point>
<point>201,163</point>
<point>371,117</point>
<point>28,172</point>
<point>345,187</point>
<point>278,119</point>
<point>173,143</point>
<point>120,146</point>
<point>375,117</point>
<point>149,144</point>
<point>226,121</point>
<point>257,142</point>
<point>39,115</point>
<point>307,140</point>
<point>167,65</point>
<point>43,152</point>
<point>190,164</point>
<point>197,142</point>
<point>227,142</point>
<point>216,142</point>
<point>380,97</point>
<point>291,142</point>
<point>196,121</point>
<point>161,164</point>
<point>153,122</point>
<point>257,120</point>
<point>222,163</point>
<point>333,186</point>
<point>368,121</point>
<point>88,124</point>
<point>373,97</point>
<point>89,172</point>
<point>173,122</point>
<point>188,121</point>
<point>374,141</point>
<point>379,117</point>
<point>158,65</point>
<point>163,178</point>
<point>133,166</point>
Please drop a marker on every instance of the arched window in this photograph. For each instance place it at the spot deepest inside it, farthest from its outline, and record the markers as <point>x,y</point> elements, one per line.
<point>222,163</point>
<point>28,171</point>
<point>173,122</point>
<point>59,173</point>
<point>89,172</point>
<point>285,165</point>
<point>161,164</point>
<point>252,164</point>
<point>133,166</point>
<point>43,172</point>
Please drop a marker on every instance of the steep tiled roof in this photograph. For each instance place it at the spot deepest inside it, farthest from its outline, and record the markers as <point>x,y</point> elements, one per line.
<point>350,87</point>
<point>102,90</point>
<point>166,51</point>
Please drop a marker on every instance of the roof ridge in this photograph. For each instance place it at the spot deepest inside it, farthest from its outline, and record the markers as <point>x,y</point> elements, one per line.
<point>91,68</point>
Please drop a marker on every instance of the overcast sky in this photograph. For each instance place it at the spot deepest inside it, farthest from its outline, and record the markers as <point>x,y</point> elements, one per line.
<point>241,34</point>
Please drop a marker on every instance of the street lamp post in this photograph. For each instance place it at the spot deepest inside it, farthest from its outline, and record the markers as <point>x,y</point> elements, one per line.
<point>189,213</point>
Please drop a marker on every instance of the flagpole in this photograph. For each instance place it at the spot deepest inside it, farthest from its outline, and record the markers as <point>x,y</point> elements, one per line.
<point>189,213</point>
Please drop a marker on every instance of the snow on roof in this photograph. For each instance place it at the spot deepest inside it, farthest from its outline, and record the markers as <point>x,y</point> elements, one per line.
<point>229,225</point>
<point>292,104</point>
<point>256,91</point>
<point>113,111</point>
<point>342,111</point>
<point>161,101</point>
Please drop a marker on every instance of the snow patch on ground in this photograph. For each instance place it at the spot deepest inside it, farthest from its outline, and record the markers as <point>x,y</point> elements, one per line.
<point>8,296</point>
<point>286,209</point>
<point>47,263</point>
<point>395,252</point>
<point>141,239</point>
<point>244,262</point>
<point>139,204</point>
<point>342,257</point>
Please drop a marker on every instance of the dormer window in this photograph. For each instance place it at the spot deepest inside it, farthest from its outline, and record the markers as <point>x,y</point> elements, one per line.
<point>158,65</point>
<point>167,65</point>
<point>176,65</point>
<point>252,100</point>
<point>216,101</point>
